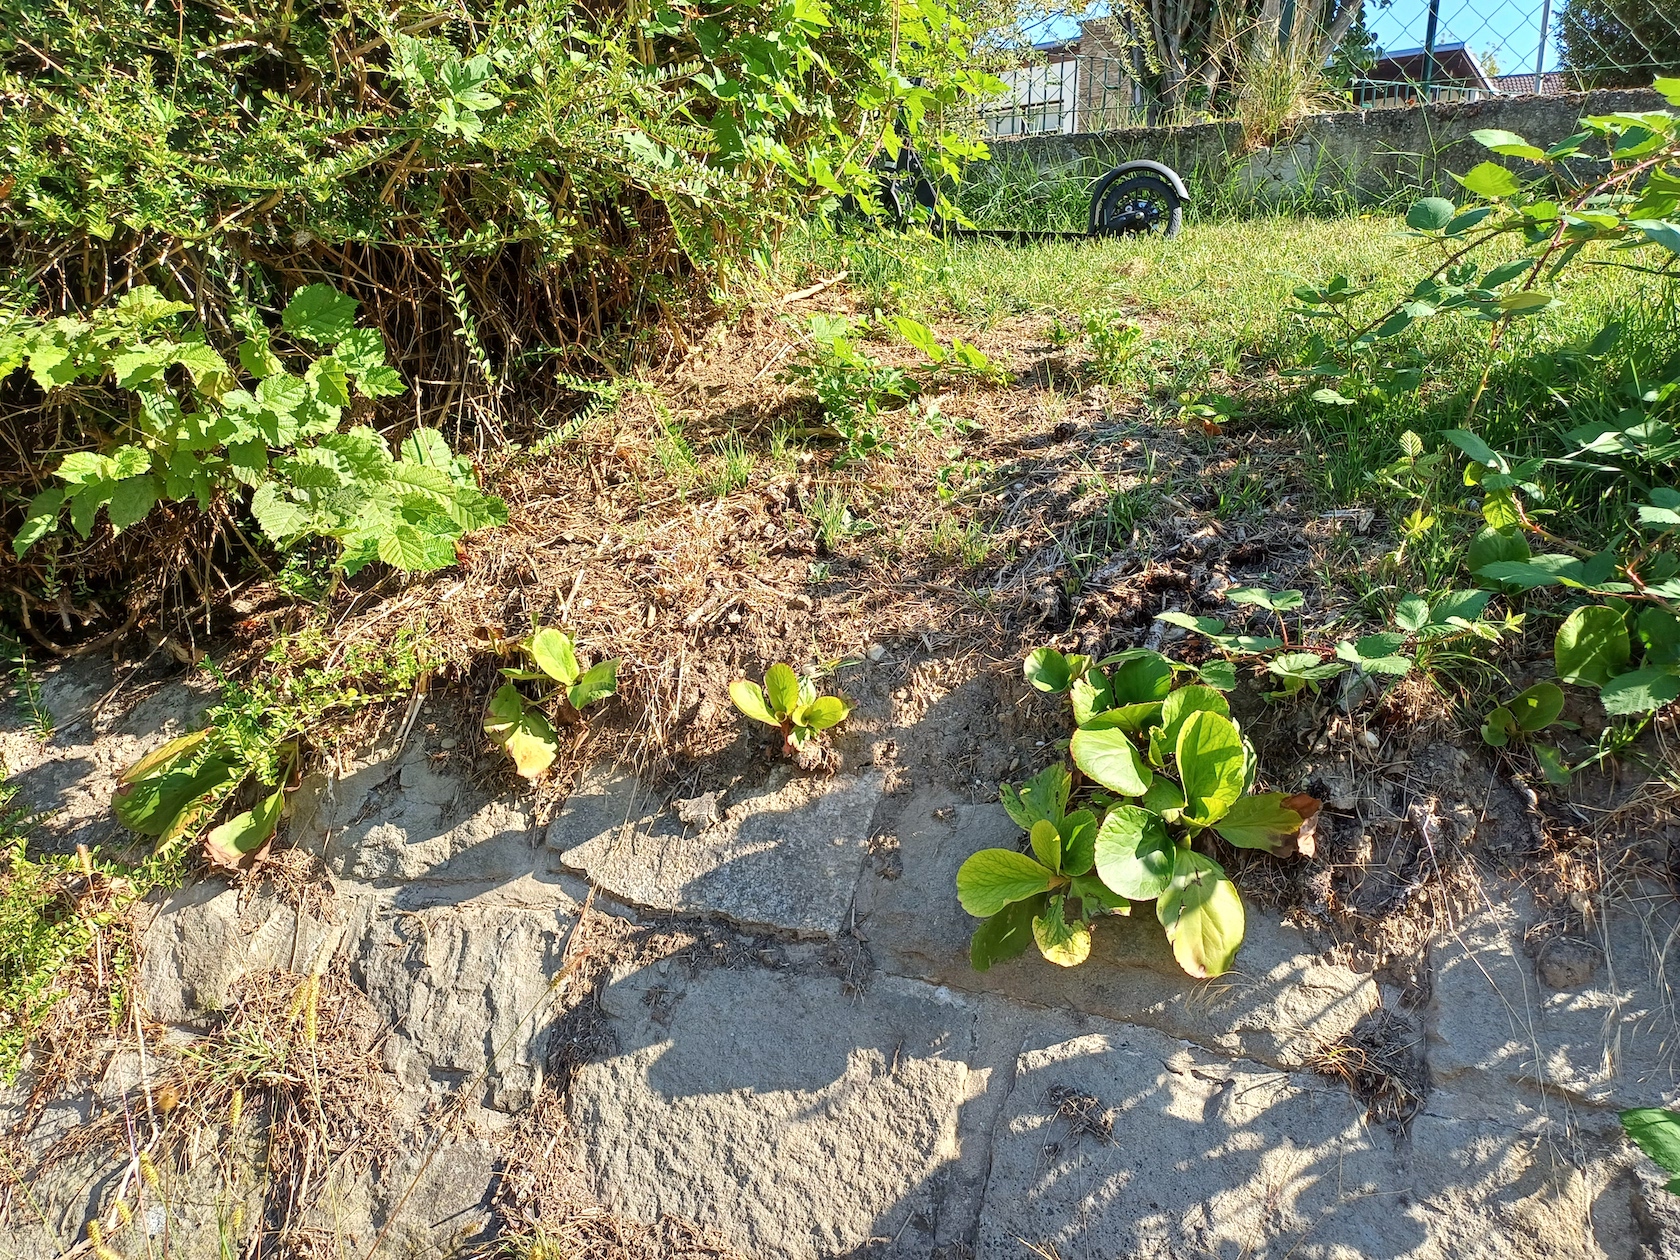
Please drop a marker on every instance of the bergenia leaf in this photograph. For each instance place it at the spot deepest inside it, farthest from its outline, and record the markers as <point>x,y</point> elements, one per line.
<point>992,878</point>
<point>555,654</point>
<point>1079,842</point>
<point>1046,843</point>
<point>1261,822</point>
<point>245,834</point>
<point>1202,915</point>
<point>1177,708</point>
<point>1211,764</point>
<point>781,689</point>
<point>749,698</point>
<point>522,732</point>
<point>1134,854</point>
<point>824,712</point>
<point>1005,935</point>
<point>1061,942</point>
<point>599,682</point>
<point>1111,759</point>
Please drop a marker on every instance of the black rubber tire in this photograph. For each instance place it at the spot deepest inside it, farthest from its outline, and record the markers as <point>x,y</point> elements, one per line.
<point>904,185</point>
<point>1136,205</point>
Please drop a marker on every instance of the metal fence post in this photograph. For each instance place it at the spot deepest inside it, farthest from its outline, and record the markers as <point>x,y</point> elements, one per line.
<point>1429,49</point>
<point>1540,57</point>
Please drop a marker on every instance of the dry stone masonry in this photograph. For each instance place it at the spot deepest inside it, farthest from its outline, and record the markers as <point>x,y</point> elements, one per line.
<point>830,1078</point>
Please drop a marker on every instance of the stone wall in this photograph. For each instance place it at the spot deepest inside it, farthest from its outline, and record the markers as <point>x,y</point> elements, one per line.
<point>1370,154</point>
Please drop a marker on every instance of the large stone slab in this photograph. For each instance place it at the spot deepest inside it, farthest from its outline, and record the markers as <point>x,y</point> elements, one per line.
<point>395,821</point>
<point>1280,1003</point>
<point>1590,1018</point>
<point>203,938</point>
<point>1535,1184</point>
<point>788,1115</point>
<point>467,989</point>
<point>1124,1142</point>
<point>784,856</point>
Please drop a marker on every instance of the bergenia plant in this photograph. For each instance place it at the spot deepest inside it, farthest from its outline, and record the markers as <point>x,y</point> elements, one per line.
<point>519,725</point>
<point>789,703</point>
<point>1175,771</point>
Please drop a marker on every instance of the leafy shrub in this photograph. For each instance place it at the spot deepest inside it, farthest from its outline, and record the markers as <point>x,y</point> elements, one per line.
<point>194,432</point>
<point>519,726</point>
<point>1172,768</point>
<point>617,146</point>
<point>1620,634</point>
<point>789,703</point>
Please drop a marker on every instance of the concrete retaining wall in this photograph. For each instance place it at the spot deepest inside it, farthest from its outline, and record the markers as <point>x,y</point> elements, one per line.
<point>1369,154</point>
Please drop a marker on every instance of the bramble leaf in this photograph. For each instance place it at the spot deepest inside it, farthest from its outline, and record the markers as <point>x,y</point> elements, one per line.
<point>319,312</point>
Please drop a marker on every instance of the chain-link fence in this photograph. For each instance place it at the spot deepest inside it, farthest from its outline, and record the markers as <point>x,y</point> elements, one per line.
<point>1382,54</point>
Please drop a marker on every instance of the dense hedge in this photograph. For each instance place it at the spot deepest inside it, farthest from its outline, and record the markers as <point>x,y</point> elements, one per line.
<point>506,188</point>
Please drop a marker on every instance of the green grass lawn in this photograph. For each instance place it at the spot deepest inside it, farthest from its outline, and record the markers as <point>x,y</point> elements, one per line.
<point>1216,307</point>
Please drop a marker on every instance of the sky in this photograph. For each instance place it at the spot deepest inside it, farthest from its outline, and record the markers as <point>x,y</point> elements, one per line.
<point>1505,31</point>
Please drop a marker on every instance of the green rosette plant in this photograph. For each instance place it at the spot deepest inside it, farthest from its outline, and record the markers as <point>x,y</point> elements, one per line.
<point>1174,770</point>
<point>789,703</point>
<point>518,725</point>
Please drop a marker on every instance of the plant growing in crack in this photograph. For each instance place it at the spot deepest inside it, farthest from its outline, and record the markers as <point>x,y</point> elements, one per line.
<point>1169,769</point>
<point>789,703</point>
<point>520,726</point>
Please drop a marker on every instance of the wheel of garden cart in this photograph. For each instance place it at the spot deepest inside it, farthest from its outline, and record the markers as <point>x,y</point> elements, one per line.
<point>1139,204</point>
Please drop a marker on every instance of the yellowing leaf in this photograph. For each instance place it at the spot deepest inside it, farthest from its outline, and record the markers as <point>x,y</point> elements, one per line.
<point>245,834</point>
<point>1063,943</point>
<point>521,731</point>
<point>1202,915</point>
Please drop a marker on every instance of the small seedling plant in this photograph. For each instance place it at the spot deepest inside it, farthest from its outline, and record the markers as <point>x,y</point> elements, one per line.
<point>959,357</point>
<point>853,389</point>
<point>520,726</point>
<point>1168,769</point>
<point>254,742</point>
<point>1115,343</point>
<point>203,430</point>
<point>1527,713</point>
<point>789,703</point>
